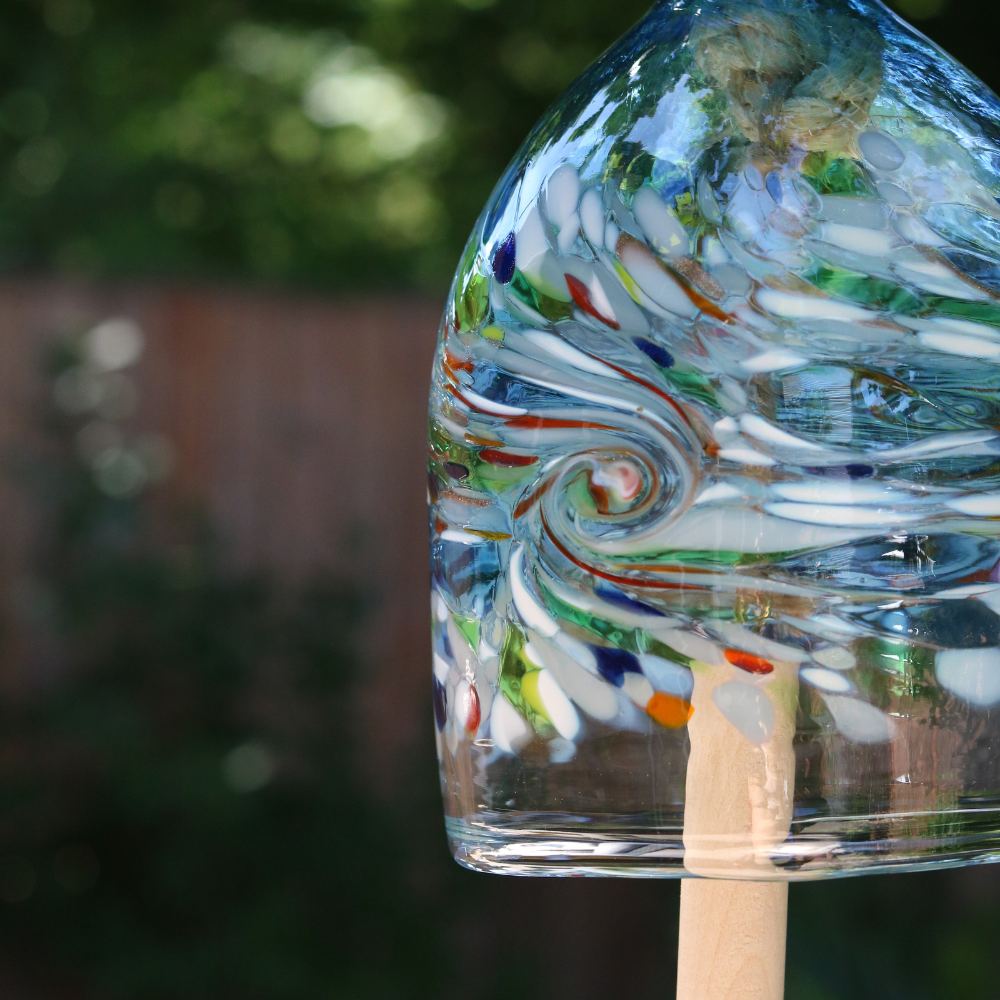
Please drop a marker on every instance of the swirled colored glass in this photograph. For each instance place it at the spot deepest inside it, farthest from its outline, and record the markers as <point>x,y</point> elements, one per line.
<point>715,463</point>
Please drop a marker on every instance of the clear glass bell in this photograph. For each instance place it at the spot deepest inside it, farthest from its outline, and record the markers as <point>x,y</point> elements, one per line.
<point>715,462</point>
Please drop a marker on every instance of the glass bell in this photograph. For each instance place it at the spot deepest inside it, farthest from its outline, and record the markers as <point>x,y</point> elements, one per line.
<point>715,462</point>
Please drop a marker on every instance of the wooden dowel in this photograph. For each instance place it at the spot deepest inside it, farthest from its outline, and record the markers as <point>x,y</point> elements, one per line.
<point>732,940</point>
<point>738,808</point>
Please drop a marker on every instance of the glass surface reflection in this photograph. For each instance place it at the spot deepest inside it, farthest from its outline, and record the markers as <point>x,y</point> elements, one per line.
<point>714,462</point>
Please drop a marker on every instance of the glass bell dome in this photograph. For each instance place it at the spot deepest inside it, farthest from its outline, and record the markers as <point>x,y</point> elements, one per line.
<point>715,462</point>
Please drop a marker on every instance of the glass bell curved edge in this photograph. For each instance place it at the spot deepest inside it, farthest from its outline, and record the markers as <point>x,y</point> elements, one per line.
<point>706,445</point>
<point>537,846</point>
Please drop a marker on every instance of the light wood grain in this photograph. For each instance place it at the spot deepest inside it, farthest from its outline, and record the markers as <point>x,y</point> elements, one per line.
<point>738,796</point>
<point>732,940</point>
<point>738,809</point>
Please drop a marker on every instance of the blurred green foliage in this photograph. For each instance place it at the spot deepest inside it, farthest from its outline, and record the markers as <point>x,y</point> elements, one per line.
<point>340,144</point>
<point>331,142</point>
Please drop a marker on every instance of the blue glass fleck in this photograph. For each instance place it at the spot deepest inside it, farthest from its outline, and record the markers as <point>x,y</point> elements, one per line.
<point>503,260</point>
<point>440,704</point>
<point>654,352</point>
<point>613,664</point>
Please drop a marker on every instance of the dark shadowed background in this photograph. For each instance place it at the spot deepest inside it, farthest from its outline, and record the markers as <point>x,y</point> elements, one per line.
<point>226,231</point>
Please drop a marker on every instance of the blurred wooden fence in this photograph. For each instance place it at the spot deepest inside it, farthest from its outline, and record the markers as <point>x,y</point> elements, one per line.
<point>300,425</point>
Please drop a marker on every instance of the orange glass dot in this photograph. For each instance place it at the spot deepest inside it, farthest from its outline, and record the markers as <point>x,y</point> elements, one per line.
<point>669,710</point>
